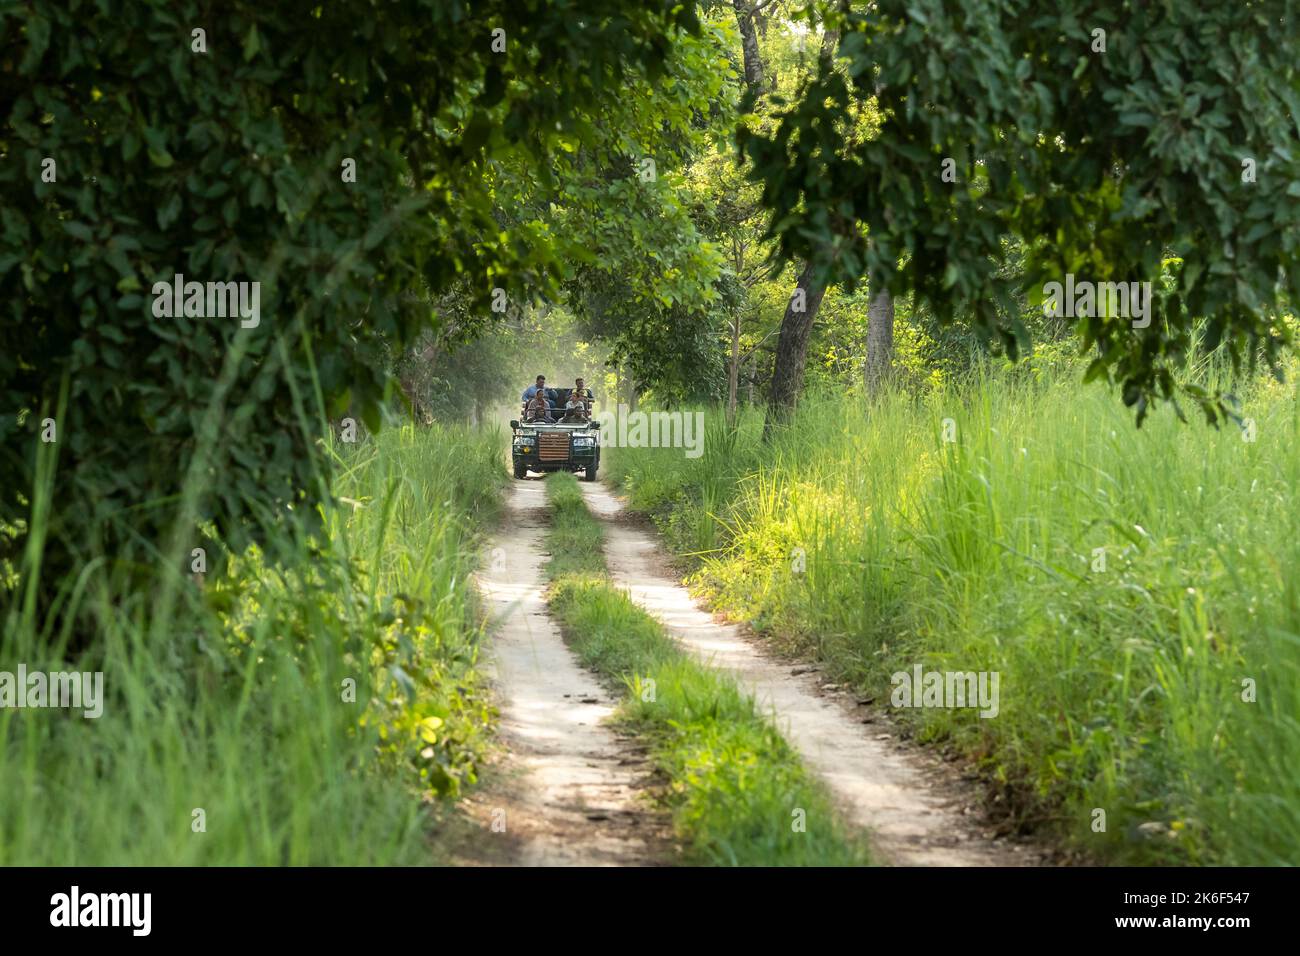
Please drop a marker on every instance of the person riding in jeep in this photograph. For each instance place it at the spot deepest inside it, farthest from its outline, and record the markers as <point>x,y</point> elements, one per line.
<point>532,390</point>
<point>538,408</point>
<point>578,406</point>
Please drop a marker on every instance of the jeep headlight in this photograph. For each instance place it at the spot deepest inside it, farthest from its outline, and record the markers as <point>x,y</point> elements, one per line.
<point>583,443</point>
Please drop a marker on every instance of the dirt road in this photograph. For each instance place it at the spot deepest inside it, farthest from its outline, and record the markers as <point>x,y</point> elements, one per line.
<point>568,790</point>
<point>917,812</point>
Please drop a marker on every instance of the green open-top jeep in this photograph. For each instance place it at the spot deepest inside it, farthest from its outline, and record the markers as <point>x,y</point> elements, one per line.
<point>559,446</point>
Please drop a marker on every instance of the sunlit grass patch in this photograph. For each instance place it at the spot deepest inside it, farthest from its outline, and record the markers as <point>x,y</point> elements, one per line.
<point>1133,588</point>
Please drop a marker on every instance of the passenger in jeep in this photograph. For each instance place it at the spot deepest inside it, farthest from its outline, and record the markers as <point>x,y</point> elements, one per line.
<point>532,390</point>
<point>538,409</point>
<point>578,406</point>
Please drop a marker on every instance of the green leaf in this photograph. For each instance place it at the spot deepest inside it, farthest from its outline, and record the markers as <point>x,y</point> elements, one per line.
<point>252,43</point>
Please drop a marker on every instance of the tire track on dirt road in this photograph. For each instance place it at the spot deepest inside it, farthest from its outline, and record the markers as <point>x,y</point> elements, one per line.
<point>914,812</point>
<point>569,786</point>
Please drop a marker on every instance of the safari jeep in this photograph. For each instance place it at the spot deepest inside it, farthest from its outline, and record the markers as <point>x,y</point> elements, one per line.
<point>564,446</point>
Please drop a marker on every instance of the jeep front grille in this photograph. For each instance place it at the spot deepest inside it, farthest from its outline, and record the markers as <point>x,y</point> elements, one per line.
<point>553,446</point>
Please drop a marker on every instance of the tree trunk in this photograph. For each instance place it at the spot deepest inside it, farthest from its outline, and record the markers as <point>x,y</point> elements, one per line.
<point>830,40</point>
<point>733,369</point>
<point>749,46</point>
<point>626,389</point>
<point>792,350</point>
<point>880,341</point>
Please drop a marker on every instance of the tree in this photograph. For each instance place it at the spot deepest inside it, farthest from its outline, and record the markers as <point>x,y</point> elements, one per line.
<point>747,14</point>
<point>1109,144</point>
<point>880,341</point>
<point>792,345</point>
<point>339,156</point>
<point>649,273</point>
<point>797,323</point>
<point>725,207</point>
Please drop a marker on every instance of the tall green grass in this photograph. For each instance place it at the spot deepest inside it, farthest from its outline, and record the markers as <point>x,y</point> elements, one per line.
<point>237,701</point>
<point>1121,689</point>
<point>735,788</point>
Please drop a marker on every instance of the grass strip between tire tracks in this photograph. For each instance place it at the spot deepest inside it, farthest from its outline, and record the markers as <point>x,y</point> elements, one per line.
<point>737,791</point>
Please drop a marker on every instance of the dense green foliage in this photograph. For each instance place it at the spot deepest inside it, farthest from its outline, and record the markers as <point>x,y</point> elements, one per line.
<point>223,157</point>
<point>1123,671</point>
<point>733,781</point>
<point>1171,136</point>
<point>439,199</point>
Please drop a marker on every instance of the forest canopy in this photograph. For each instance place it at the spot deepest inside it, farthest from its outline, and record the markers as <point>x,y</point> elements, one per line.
<point>723,201</point>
